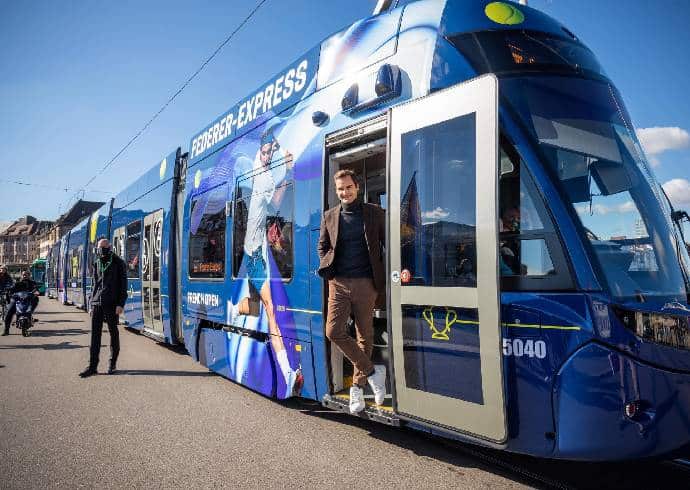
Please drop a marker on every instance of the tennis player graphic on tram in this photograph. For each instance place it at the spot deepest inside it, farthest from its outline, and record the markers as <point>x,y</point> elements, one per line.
<point>261,253</point>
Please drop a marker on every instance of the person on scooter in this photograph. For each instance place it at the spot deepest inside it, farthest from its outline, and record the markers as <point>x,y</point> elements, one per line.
<point>25,284</point>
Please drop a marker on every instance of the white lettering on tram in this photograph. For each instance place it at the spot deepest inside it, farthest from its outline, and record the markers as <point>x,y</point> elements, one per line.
<point>205,299</point>
<point>527,347</point>
<point>279,91</point>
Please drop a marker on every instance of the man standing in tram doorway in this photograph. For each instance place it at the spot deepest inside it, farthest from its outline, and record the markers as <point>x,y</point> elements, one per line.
<point>107,303</point>
<point>351,245</point>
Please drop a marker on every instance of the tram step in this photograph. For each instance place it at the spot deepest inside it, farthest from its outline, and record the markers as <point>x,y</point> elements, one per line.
<point>384,415</point>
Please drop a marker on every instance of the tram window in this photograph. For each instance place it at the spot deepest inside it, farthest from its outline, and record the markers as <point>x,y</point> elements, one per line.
<point>438,207</point>
<point>530,253</point>
<point>132,246</point>
<point>507,51</point>
<point>80,254</point>
<point>264,218</point>
<point>116,245</point>
<point>207,234</point>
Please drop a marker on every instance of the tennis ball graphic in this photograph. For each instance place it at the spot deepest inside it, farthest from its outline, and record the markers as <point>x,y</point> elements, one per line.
<point>504,13</point>
<point>197,179</point>
<point>94,227</point>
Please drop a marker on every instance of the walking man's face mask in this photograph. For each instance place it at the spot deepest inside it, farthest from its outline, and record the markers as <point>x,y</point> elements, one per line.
<point>103,252</point>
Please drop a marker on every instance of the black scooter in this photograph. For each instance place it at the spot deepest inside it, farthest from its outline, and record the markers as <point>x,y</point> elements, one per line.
<point>24,319</point>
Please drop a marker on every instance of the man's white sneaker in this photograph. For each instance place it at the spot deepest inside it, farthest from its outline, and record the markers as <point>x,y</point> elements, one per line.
<point>356,399</point>
<point>377,381</point>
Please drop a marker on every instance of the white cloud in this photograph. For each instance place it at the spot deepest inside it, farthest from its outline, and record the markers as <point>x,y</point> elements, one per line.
<point>678,191</point>
<point>657,140</point>
<point>438,213</point>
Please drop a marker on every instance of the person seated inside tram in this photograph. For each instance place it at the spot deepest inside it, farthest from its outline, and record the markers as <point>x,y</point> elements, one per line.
<point>509,245</point>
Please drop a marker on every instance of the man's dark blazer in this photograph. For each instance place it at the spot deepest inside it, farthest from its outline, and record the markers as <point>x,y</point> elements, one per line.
<point>110,286</point>
<point>375,233</point>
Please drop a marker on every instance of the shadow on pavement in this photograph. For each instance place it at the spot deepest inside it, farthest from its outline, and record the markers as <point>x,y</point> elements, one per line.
<point>61,345</point>
<point>57,321</point>
<point>58,333</point>
<point>419,443</point>
<point>153,372</point>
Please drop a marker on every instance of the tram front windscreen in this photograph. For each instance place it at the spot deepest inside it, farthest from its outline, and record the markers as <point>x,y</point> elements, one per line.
<point>592,153</point>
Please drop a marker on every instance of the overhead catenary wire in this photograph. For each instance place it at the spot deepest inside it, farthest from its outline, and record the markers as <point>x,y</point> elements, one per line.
<point>45,186</point>
<point>172,98</point>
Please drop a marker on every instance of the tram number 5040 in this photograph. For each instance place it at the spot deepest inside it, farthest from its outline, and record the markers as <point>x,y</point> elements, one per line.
<point>528,348</point>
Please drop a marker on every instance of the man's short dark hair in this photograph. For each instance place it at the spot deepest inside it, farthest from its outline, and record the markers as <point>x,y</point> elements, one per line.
<point>341,174</point>
<point>267,137</point>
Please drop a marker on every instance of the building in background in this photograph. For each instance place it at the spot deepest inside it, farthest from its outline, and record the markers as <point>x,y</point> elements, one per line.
<point>29,238</point>
<point>18,245</point>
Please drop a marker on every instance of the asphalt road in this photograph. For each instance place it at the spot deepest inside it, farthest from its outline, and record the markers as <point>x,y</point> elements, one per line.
<point>164,421</point>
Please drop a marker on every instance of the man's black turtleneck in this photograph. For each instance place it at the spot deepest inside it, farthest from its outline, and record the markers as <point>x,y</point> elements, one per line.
<point>352,254</point>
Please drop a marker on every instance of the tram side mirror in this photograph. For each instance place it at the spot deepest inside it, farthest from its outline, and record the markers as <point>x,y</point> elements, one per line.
<point>387,81</point>
<point>351,97</point>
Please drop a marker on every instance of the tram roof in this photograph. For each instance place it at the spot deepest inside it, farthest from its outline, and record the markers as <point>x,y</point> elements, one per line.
<point>156,175</point>
<point>358,46</point>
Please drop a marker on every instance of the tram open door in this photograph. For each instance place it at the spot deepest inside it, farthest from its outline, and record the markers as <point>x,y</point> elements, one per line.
<point>443,310</point>
<point>432,165</point>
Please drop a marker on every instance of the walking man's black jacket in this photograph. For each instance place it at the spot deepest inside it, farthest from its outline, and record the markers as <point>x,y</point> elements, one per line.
<point>109,283</point>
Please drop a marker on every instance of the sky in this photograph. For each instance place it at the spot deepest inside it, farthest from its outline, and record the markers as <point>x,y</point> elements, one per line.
<point>80,78</point>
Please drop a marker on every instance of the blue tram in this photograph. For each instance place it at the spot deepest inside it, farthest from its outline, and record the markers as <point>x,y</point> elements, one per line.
<point>76,259</point>
<point>143,223</point>
<point>537,296</point>
<point>52,273</point>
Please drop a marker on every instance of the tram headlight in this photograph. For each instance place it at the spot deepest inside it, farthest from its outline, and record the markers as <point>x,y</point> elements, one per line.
<point>670,330</point>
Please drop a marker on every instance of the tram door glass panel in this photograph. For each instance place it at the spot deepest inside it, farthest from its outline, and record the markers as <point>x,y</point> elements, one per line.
<point>119,249</point>
<point>151,270</point>
<point>438,248</point>
<point>119,242</point>
<point>132,249</point>
<point>438,211</point>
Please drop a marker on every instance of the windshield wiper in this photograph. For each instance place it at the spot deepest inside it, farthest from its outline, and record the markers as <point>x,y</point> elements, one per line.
<point>678,217</point>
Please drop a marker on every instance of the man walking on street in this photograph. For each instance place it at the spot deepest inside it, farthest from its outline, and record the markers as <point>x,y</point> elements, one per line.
<point>350,250</point>
<point>107,303</point>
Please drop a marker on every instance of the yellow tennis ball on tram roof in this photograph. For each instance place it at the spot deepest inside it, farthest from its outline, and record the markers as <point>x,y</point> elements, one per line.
<point>504,13</point>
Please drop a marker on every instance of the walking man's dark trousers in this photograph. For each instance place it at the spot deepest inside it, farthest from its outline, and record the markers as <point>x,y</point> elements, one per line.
<point>99,314</point>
